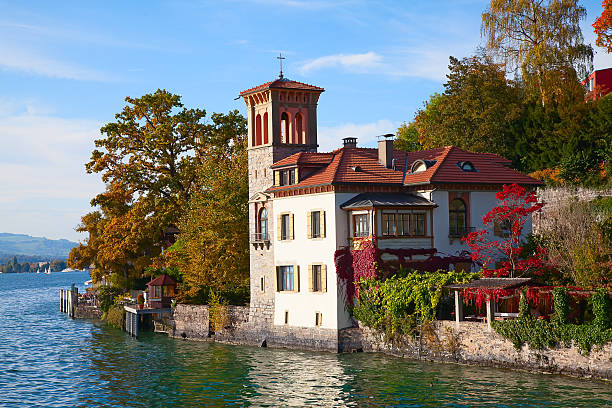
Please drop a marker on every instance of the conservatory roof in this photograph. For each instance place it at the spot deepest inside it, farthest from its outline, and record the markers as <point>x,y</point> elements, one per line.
<point>370,200</point>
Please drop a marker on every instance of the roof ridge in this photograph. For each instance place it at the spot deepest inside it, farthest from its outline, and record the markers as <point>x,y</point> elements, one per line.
<point>439,163</point>
<point>341,154</point>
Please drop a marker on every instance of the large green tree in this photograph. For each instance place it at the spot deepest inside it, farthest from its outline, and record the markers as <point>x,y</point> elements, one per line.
<point>576,139</point>
<point>407,137</point>
<point>543,39</point>
<point>474,111</point>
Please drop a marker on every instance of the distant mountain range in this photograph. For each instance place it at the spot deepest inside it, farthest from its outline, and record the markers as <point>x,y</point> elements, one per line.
<point>28,246</point>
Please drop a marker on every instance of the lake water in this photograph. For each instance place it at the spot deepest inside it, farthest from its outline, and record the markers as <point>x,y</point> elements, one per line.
<point>49,360</point>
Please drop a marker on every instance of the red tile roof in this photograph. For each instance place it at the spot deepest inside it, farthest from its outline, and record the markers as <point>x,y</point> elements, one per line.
<point>489,170</point>
<point>283,83</point>
<point>304,158</point>
<point>361,166</point>
<point>162,280</point>
<point>497,158</point>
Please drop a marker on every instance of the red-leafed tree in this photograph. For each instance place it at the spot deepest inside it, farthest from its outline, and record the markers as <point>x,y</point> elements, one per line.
<point>603,26</point>
<point>506,256</point>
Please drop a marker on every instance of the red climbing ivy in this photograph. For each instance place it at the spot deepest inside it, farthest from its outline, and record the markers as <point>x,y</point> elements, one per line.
<point>478,296</point>
<point>365,262</point>
<point>505,256</point>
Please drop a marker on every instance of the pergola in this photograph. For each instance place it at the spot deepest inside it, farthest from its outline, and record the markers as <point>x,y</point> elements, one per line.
<point>485,284</point>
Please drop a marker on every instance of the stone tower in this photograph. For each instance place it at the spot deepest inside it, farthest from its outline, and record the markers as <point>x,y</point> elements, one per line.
<point>282,120</point>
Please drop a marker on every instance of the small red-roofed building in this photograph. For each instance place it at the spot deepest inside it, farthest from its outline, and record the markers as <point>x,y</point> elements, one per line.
<point>305,205</point>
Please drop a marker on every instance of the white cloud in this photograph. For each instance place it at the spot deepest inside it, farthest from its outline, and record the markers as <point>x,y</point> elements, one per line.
<point>354,62</point>
<point>405,62</point>
<point>330,137</point>
<point>45,189</point>
<point>14,59</point>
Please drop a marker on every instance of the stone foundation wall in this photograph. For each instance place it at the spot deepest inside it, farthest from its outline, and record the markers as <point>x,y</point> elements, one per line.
<point>192,322</point>
<point>473,343</point>
<point>87,312</point>
<point>469,343</point>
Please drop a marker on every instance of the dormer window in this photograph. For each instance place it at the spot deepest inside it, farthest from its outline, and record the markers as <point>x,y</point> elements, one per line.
<point>285,177</point>
<point>421,165</point>
<point>467,166</point>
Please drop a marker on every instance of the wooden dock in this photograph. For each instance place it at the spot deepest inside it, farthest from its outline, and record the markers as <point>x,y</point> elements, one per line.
<point>134,315</point>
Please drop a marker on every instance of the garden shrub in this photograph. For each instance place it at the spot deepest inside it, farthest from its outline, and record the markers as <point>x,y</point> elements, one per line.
<point>218,314</point>
<point>602,312</point>
<point>524,309</point>
<point>539,334</point>
<point>561,306</point>
<point>106,297</point>
<point>115,316</point>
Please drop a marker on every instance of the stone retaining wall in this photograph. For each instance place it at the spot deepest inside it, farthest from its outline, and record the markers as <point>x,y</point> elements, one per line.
<point>473,343</point>
<point>470,343</point>
<point>192,322</point>
<point>87,312</point>
<point>556,197</point>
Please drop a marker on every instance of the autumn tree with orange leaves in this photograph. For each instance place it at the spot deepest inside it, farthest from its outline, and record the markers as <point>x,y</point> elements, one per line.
<point>149,159</point>
<point>603,26</point>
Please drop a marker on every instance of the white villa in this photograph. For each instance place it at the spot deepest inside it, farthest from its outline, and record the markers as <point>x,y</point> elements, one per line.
<point>305,205</point>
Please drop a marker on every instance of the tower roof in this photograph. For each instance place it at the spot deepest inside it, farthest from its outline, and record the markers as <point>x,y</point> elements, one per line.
<point>283,83</point>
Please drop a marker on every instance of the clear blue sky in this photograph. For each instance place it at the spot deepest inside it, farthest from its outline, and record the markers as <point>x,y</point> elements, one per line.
<point>66,67</point>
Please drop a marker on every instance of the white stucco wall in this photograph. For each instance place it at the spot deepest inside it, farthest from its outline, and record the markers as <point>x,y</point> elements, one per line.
<point>481,202</point>
<point>302,251</point>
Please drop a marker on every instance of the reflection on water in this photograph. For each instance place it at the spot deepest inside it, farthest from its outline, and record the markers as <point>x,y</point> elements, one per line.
<point>50,360</point>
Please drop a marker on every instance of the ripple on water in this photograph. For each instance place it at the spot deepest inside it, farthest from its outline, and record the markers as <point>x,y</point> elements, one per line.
<point>48,360</point>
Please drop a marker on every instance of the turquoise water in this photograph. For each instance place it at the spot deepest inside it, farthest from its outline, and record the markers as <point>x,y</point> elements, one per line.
<point>49,360</point>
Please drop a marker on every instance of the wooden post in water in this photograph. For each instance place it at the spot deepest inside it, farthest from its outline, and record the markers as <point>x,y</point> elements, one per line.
<point>63,301</point>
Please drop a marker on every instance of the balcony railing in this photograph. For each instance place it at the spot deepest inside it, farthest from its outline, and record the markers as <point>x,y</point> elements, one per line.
<point>460,232</point>
<point>260,237</point>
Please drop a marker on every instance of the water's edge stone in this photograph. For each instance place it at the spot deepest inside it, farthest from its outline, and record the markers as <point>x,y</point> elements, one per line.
<point>469,343</point>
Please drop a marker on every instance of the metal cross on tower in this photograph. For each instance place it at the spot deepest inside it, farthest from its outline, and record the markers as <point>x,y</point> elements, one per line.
<point>280,59</point>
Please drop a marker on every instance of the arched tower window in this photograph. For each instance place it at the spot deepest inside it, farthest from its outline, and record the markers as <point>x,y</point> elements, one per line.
<point>284,127</point>
<point>457,217</point>
<point>263,224</point>
<point>265,128</point>
<point>258,130</point>
<point>299,128</point>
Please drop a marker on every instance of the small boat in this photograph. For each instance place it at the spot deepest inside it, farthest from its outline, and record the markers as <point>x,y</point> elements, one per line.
<point>48,271</point>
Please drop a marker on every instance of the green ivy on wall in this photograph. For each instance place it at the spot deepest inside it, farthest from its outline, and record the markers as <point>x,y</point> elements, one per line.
<point>396,305</point>
<point>540,334</point>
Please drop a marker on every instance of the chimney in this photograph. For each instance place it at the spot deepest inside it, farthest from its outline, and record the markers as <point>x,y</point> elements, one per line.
<point>349,142</point>
<point>385,150</point>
